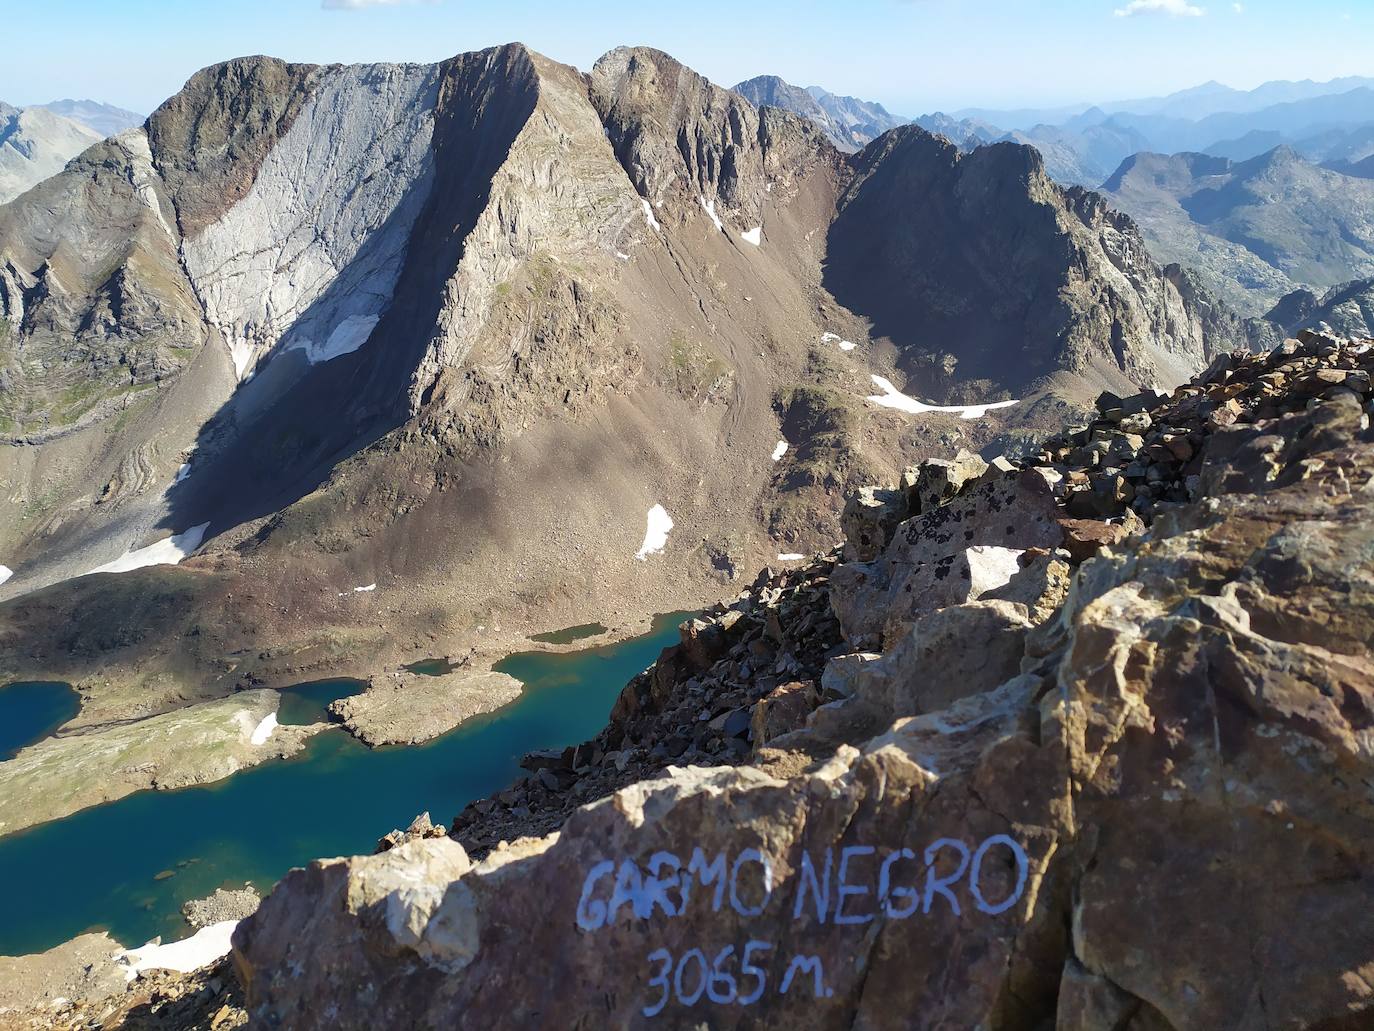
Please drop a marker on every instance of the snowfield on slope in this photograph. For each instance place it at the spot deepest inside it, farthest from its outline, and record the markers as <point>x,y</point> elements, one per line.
<point>167,552</point>
<point>205,946</point>
<point>891,397</point>
<point>655,533</point>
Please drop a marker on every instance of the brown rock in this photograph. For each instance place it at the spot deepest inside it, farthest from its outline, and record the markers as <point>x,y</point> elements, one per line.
<point>783,710</point>
<point>1084,538</point>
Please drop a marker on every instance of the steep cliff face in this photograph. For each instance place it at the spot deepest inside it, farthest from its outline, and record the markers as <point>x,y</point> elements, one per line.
<point>1047,793</point>
<point>989,277</point>
<point>441,328</point>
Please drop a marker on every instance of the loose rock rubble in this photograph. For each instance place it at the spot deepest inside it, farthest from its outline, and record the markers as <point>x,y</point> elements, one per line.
<point>743,673</point>
<point>1147,452</point>
<point>224,904</point>
<point>988,554</point>
<point>210,999</point>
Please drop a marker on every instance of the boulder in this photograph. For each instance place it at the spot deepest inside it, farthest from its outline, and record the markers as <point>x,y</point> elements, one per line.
<point>954,554</point>
<point>889,883</point>
<point>939,480</point>
<point>870,517</point>
<point>783,710</point>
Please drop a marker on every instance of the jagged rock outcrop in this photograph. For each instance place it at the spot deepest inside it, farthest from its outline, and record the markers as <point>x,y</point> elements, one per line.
<point>1347,309</point>
<point>1064,815</point>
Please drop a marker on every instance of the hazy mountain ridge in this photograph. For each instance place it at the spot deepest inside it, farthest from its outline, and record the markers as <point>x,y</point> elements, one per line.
<point>1255,229</point>
<point>34,144</point>
<point>106,119</point>
<point>37,141</point>
<point>849,123</point>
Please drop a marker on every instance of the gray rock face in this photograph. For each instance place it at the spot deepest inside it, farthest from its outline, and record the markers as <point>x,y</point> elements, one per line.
<point>337,250</point>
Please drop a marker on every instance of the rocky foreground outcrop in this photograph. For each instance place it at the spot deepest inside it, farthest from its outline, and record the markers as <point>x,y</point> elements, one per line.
<point>1100,769</point>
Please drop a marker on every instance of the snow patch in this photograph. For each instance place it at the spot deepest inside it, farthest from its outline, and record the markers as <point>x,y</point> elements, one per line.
<point>891,397</point>
<point>204,947</point>
<point>780,450</point>
<point>845,345</point>
<point>365,590</point>
<point>5,573</point>
<point>346,337</point>
<point>790,557</point>
<point>622,255</point>
<point>754,236</point>
<point>655,533</point>
<point>649,216</point>
<point>241,351</point>
<point>263,731</point>
<point>168,552</point>
<point>710,207</point>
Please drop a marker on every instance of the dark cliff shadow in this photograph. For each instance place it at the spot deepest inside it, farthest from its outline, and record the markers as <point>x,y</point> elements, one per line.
<point>950,256</point>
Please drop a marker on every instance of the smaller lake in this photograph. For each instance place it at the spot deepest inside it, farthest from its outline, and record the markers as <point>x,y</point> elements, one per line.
<point>32,711</point>
<point>570,634</point>
<point>99,868</point>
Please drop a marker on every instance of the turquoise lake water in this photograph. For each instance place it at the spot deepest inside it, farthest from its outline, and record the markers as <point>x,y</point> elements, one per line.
<point>32,711</point>
<point>97,869</point>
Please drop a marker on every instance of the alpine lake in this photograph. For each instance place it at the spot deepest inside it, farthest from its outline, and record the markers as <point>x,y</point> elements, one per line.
<point>128,866</point>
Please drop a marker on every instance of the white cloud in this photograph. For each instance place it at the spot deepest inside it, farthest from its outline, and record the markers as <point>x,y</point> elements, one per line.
<point>1174,8</point>
<point>1238,8</point>
<point>358,5</point>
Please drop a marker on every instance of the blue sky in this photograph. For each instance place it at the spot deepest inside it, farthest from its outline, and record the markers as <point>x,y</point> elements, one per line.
<point>914,56</point>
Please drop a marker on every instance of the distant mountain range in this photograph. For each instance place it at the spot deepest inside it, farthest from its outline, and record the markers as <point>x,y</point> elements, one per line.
<point>1083,145</point>
<point>37,142</point>
<point>105,119</point>
<point>1267,189</point>
<point>1191,104</point>
<point>849,123</point>
<point>1254,229</point>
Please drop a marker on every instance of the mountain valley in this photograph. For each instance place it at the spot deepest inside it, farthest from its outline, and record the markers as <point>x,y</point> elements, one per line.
<point>819,568</point>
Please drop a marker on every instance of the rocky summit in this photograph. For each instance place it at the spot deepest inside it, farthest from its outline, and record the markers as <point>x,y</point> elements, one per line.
<point>323,365</point>
<point>1022,753</point>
